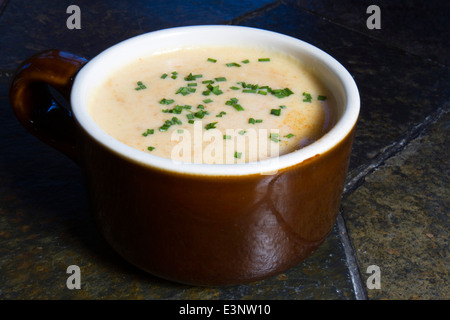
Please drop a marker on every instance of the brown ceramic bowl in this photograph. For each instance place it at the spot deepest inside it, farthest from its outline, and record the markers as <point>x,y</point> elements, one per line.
<point>201,224</point>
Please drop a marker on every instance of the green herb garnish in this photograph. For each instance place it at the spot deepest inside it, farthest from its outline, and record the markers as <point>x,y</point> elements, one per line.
<point>166,101</point>
<point>168,123</point>
<point>140,86</point>
<point>234,102</point>
<point>275,112</point>
<point>201,114</point>
<point>149,131</point>
<point>185,90</point>
<point>307,97</point>
<point>321,98</point>
<point>192,77</point>
<point>151,148</point>
<point>264,59</point>
<point>211,60</point>
<point>274,137</point>
<point>281,93</point>
<point>211,125</point>
<point>233,64</point>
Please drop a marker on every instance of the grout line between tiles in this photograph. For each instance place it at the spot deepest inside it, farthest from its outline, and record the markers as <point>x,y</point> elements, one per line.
<point>357,176</point>
<point>352,261</point>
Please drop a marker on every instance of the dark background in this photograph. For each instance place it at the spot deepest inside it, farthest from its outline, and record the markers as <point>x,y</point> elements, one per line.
<point>395,208</point>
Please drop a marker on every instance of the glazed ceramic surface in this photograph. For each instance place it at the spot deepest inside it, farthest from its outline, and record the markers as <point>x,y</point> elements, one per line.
<point>195,223</point>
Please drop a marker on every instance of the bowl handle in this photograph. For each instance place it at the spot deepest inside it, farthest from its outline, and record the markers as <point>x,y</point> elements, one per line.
<point>37,107</point>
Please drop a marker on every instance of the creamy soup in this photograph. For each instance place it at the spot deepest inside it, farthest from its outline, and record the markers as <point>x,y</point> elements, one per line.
<point>214,105</point>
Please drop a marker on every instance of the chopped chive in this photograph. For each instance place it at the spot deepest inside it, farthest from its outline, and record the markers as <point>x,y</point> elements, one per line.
<point>166,101</point>
<point>217,91</point>
<point>275,112</point>
<point>222,113</point>
<point>290,135</point>
<point>226,137</point>
<point>206,92</point>
<point>164,127</point>
<point>234,88</point>
<point>192,84</point>
<point>164,75</point>
<point>200,106</point>
<point>211,60</point>
<point>283,107</point>
<point>263,59</point>
<point>254,121</point>
<point>307,97</point>
<point>208,81</point>
<point>245,61</point>
<point>140,86</point>
<point>184,90</point>
<point>207,100</point>
<point>191,121</point>
<point>281,93</point>
<point>174,75</point>
<point>211,125</point>
<point>233,64</point>
<point>238,107</point>
<point>190,116</point>
<point>200,114</point>
<point>175,120</point>
<point>242,132</point>
<point>321,98</point>
<point>149,131</point>
<point>151,148</point>
<point>220,79</point>
<point>237,155</point>
<point>262,92</point>
<point>249,91</point>
<point>191,77</point>
<point>177,109</point>
<point>168,123</point>
<point>274,137</point>
<point>213,89</point>
<point>231,101</point>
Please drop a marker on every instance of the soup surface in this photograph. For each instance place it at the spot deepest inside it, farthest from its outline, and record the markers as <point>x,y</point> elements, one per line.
<point>214,105</point>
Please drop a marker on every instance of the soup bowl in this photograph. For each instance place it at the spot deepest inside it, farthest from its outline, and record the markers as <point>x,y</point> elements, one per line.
<point>194,223</point>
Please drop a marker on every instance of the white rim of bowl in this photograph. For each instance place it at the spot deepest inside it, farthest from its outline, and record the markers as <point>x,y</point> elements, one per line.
<point>120,51</point>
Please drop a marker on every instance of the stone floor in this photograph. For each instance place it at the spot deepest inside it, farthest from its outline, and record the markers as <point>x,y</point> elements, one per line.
<point>396,204</point>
